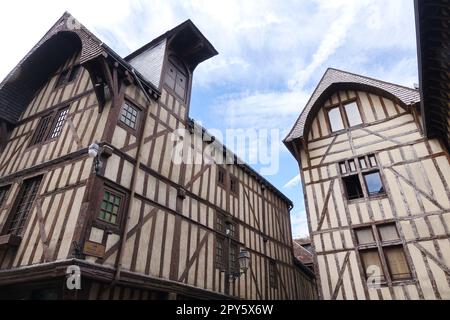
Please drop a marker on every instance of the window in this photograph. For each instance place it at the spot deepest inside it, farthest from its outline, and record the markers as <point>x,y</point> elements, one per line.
<point>3,194</point>
<point>234,185</point>
<point>59,123</point>
<point>50,126</point>
<point>23,205</point>
<point>353,187</point>
<point>273,274</point>
<point>225,225</point>
<point>219,252</point>
<point>129,115</point>
<point>354,171</point>
<point>62,78</point>
<point>176,78</point>
<point>41,130</point>
<point>352,112</point>
<point>74,73</point>
<point>381,249</point>
<point>221,173</point>
<point>110,207</point>
<point>335,120</point>
<point>344,116</point>
<point>67,76</point>
<point>373,183</point>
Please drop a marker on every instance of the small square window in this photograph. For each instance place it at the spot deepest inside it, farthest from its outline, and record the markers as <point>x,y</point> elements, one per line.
<point>365,235</point>
<point>41,131</point>
<point>373,183</point>
<point>388,232</point>
<point>353,187</point>
<point>110,207</point>
<point>129,116</point>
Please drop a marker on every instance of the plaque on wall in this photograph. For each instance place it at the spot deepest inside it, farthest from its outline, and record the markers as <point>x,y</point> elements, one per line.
<point>94,249</point>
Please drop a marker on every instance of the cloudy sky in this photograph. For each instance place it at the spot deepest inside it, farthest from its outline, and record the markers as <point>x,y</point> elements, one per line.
<point>271,53</point>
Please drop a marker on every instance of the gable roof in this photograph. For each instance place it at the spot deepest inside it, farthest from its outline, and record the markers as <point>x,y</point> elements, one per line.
<point>66,37</point>
<point>335,79</point>
<point>183,35</point>
<point>301,253</point>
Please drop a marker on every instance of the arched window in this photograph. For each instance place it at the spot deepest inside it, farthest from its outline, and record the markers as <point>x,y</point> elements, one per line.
<point>176,77</point>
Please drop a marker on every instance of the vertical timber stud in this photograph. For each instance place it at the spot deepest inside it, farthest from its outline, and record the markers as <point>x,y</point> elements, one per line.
<point>123,238</point>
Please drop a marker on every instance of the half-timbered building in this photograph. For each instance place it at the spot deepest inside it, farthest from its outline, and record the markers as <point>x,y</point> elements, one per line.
<point>133,223</point>
<point>376,190</point>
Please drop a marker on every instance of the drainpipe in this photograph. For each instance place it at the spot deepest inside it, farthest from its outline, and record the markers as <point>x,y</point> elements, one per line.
<point>132,187</point>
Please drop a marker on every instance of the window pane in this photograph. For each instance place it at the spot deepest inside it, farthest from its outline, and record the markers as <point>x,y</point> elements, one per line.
<point>335,119</point>
<point>74,73</point>
<point>170,77</point>
<point>365,235</point>
<point>353,187</point>
<point>373,182</point>
<point>59,123</point>
<point>343,168</point>
<point>398,267</point>
<point>129,116</point>
<point>372,265</point>
<point>353,116</point>
<point>362,163</point>
<point>388,232</point>
<point>352,165</point>
<point>373,161</point>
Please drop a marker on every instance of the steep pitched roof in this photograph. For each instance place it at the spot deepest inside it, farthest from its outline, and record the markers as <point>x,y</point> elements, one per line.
<point>66,37</point>
<point>334,79</point>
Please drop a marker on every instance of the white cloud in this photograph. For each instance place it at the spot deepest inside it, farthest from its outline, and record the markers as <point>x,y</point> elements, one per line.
<point>294,182</point>
<point>299,224</point>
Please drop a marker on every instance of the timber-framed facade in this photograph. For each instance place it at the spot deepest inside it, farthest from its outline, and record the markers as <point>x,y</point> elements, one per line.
<point>376,190</point>
<point>140,226</point>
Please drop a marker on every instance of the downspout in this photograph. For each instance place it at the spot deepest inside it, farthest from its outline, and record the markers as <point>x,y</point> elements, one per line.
<point>133,185</point>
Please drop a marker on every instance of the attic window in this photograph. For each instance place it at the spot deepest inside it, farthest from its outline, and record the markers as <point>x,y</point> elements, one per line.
<point>353,187</point>
<point>67,76</point>
<point>343,116</point>
<point>176,78</point>
<point>335,120</point>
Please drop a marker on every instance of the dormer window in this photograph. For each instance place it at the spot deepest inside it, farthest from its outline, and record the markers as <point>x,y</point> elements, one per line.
<point>176,78</point>
<point>67,76</point>
<point>344,116</point>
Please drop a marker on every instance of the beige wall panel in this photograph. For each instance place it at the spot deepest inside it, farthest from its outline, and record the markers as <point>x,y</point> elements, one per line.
<point>422,274</point>
<point>323,277</point>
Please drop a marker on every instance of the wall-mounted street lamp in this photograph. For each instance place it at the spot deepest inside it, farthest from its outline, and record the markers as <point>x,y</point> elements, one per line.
<point>243,260</point>
<point>94,153</point>
<point>97,153</point>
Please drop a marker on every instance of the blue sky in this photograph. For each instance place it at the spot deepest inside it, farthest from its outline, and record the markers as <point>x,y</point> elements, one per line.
<point>271,53</point>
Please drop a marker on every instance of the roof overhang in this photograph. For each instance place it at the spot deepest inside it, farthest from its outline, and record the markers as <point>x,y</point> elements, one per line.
<point>433,51</point>
<point>187,41</point>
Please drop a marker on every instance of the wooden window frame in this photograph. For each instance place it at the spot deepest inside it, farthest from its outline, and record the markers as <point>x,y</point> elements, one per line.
<point>224,172</point>
<point>380,245</point>
<point>6,189</point>
<point>17,202</point>
<point>103,224</point>
<point>178,66</point>
<point>237,184</point>
<point>232,239</point>
<point>67,78</point>
<point>272,274</point>
<point>341,105</point>
<point>133,131</point>
<point>53,120</point>
<point>361,172</point>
